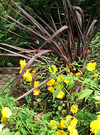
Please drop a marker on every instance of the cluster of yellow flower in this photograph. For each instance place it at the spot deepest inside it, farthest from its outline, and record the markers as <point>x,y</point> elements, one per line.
<point>52,83</point>
<point>95,125</point>
<point>52,69</point>
<point>61,78</point>
<point>37,91</point>
<point>6,113</point>
<point>28,76</point>
<point>69,122</point>
<point>69,71</point>
<point>91,66</point>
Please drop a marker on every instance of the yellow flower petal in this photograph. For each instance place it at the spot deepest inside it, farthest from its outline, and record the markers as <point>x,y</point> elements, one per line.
<point>52,69</point>
<point>50,82</point>
<point>60,94</point>
<point>22,63</point>
<point>91,66</point>
<point>6,112</point>
<point>74,109</point>
<point>78,74</point>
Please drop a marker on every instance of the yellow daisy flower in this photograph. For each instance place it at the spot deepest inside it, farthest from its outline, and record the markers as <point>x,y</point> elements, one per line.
<point>52,69</point>
<point>94,126</point>
<point>68,70</point>
<point>78,74</point>
<point>73,123</point>
<point>72,130</point>
<point>6,112</point>
<point>50,82</point>
<point>22,63</point>
<point>4,119</point>
<point>74,109</point>
<point>33,71</point>
<point>91,66</point>
<point>60,78</point>
<point>51,89</point>
<point>53,124</point>
<point>66,81</point>
<point>37,91</point>
<point>28,77</point>
<point>60,94</point>
<point>98,118</point>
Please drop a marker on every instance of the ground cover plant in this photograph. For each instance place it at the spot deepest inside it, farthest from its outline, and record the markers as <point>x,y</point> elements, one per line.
<point>58,88</point>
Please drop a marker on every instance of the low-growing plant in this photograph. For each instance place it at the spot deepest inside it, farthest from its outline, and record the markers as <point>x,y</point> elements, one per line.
<point>55,78</point>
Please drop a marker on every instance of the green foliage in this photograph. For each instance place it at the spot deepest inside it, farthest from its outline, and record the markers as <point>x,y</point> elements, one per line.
<point>95,45</point>
<point>64,79</point>
<point>84,118</point>
<point>6,131</point>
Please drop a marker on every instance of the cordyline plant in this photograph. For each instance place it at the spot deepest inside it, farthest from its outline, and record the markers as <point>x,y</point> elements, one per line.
<point>70,48</point>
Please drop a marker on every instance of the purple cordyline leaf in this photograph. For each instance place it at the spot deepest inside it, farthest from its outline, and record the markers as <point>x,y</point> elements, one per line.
<point>10,68</point>
<point>54,35</point>
<point>33,20</point>
<point>31,33</point>
<point>89,21</point>
<point>17,12</point>
<point>34,77</point>
<point>14,20</point>
<point>79,20</point>
<point>90,28</point>
<point>58,37</point>
<point>14,47</point>
<point>59,15</point>
<point>29,63</point>
<point>53,23</point>
<point>79,17</point>
<point>70,37</point>
<point>21,55</point>
<point>37,35</point>
<point>50,28</point>
<point>33,59</point>
<point>75,20</point>
<point>91,35</point>
<point>8,54</point>
<point>27,93</point>
<point>30,17</point>
<point>61,41</point>
<point>83,19</point>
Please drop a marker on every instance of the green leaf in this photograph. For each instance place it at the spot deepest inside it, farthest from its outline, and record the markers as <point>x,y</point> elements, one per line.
<point>46,116</point>
<point>76,78</point>
<point>97,97</point>
<point>19,123</point>
<point>98,133</point>
<point>55,94</point>
<point>85,94</point>
<point>43,133</point>
<point>86,81</point>
<point>23,131</point>
<point>17,133</point>
<point>71,84</point>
